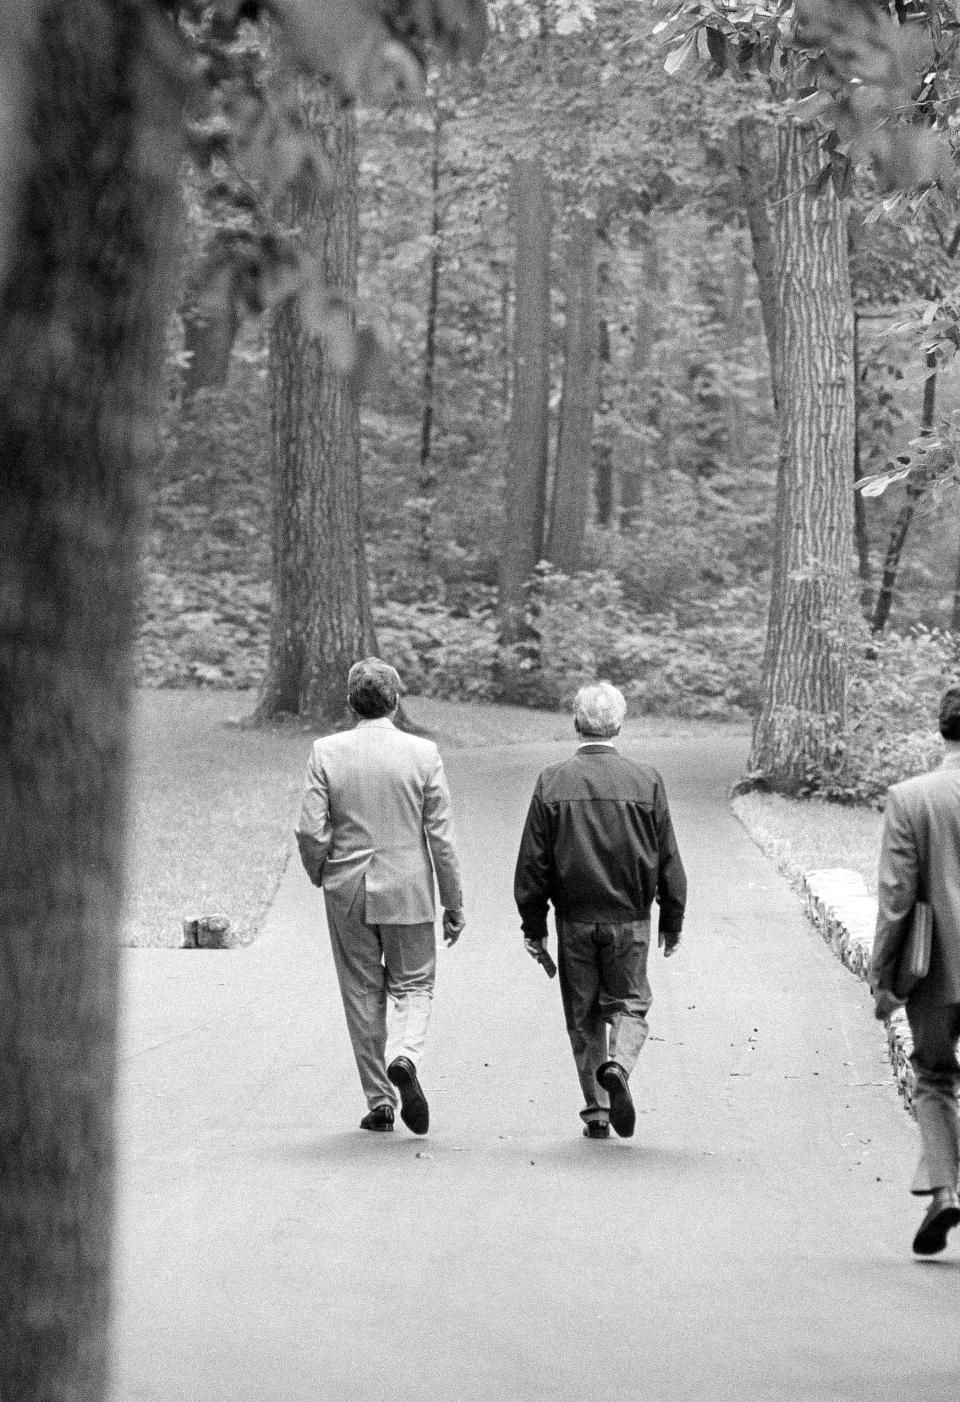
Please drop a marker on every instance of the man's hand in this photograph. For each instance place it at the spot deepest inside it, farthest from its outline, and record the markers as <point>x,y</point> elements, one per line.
<point>533,947</point>
<point>669,941</point>
<point>453,923</point>
<point>885,1003</point>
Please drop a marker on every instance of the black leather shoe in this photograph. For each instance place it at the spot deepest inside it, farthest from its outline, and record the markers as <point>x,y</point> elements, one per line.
<point>612,1077</point>
<point>596,1129</point>
<point>942,1214</point>
<point>414,1110</point>
<point>380,1118</point>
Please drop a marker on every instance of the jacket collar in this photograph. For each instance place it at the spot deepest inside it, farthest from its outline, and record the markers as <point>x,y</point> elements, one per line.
<point>380,721</point>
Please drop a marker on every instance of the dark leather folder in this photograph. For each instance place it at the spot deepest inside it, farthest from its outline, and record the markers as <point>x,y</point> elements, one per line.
<point>915,959</point>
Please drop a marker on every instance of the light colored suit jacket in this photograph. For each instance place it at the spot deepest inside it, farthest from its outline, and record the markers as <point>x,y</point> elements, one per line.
<point>376,811</point>
<point>920,860</point>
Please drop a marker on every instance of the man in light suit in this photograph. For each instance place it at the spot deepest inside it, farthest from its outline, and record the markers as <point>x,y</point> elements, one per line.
<point>374,826</point>
<point>920,861</point>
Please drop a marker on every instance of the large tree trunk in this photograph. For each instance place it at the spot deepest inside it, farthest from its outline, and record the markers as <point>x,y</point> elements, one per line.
<point>321,620</point>
<point>805,659</point>
<point>526,486</point>
<point>83,305</point>
<point>571,491</point>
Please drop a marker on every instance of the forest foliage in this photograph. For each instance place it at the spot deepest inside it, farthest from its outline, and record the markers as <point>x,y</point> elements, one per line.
<point>670,599</point>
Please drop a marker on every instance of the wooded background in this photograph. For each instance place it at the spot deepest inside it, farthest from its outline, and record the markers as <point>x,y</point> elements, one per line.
<point>573,246</point>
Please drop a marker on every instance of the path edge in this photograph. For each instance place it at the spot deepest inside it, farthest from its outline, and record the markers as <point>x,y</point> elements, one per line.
<point>839,905</point>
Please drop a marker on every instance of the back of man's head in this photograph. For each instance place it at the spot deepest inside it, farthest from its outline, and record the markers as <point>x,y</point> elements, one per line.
<point>373,688</point>
<point>950,714</point>
<point>598,711</point>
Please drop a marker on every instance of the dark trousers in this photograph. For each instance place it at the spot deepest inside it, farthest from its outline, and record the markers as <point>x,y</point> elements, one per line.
<point>936,1032</point>
<point>606,996</point>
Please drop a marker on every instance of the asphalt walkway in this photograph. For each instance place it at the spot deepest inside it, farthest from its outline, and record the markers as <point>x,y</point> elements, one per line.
<point>751,1243</point>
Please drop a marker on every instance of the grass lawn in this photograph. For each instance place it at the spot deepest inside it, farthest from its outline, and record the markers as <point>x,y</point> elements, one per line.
<point>212,804</point>
<point>805,834</point>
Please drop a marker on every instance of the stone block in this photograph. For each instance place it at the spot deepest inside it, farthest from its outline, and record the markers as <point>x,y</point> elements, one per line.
<point>206,932</point>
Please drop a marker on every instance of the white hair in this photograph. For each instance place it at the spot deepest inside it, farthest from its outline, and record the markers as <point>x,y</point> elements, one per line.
<point>599,710</point>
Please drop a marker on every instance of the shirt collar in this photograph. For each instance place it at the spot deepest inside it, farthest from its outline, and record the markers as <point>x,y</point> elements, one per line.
<point>376,721</point>
<point>596,745</point>
<point>951,757</point>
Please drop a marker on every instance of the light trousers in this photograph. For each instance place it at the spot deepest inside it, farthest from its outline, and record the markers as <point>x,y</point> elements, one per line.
<point>936,1032</point>
<point>606,997</point>
<point>386,975</point>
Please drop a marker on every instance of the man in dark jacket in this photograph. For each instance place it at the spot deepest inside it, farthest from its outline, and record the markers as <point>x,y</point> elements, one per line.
<point>599,844</point>
<point>920,861</point>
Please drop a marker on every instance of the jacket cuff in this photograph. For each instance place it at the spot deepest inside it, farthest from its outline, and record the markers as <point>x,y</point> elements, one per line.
<point>534,926</point>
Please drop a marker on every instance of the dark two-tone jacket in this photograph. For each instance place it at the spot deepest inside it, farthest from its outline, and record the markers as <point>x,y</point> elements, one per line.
<point>599,845</point>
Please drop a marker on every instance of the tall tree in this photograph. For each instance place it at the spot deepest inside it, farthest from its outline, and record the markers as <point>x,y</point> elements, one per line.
<point>321,621</point>
<point>427,472</point>
<point>809,329</point>
<point>572,478</point>
<point>92,97</point>
<point>803,704</point>
<point>85,291</point>
<point>526,486</point>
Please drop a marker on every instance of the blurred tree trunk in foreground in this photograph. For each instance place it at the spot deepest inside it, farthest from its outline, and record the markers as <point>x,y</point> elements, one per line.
<point>574,460</point>
<point>803,705</point>
<point>321,620</point>
<point>86,277</point>
<point>526,486</point>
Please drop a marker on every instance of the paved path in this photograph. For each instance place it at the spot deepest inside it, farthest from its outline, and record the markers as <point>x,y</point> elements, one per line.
<point>750,1244</point>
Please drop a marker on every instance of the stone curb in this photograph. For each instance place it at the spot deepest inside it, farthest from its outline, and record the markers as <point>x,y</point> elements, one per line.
<point>844,912</point>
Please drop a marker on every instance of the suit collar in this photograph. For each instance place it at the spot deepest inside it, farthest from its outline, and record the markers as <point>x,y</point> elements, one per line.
<point>381,721</point>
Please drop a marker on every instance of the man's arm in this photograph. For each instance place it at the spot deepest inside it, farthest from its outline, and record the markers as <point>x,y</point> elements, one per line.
<point>531,881</point>
<point>896,893</point>
<point>314,829</point>
<point>671,877</point>
<point>438,827</point>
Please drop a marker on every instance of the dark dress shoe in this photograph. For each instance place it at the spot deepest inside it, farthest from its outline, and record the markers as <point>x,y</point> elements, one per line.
<point>596,1129</point>
<point>380,1119</point>
<point>613,1079</point>
<point>942,1214</point>
<point>414,1110</point>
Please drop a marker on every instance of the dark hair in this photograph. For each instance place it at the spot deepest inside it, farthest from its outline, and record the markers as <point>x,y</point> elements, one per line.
<point>950,714</point>
<point>373,688</point>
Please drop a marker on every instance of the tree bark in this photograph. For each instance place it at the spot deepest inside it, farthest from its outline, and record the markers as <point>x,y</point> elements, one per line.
<point>916,486</point>
<point>89,278</point>
<point>571,491</point>
<point>748,158</point>
<point>526,485</point>
<point>606,478</point>
<point>427,476</point>
<point>805,658</point>
<point>321,620</point>
<point>861,537</point>
<point>647,326</point>
<point>211,320</point>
